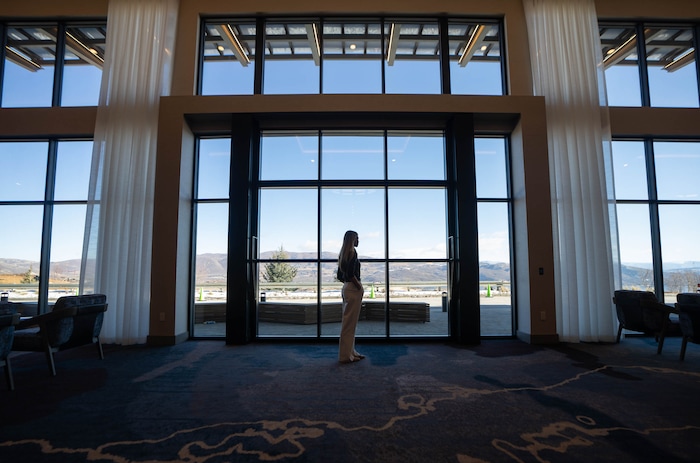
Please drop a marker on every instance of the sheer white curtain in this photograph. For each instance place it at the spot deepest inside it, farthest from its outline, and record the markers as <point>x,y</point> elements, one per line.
<point>567,70</point>
<point>118,235</point>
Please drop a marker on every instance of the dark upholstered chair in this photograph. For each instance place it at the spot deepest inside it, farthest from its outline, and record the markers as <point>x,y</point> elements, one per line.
<point>688,306</point>
<point>9,318</point>
<point>641,311</point>
<point>87,324</point>
<point>45,333</point>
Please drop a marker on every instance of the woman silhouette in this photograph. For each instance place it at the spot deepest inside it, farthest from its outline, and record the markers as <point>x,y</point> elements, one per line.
<point>349,274</point>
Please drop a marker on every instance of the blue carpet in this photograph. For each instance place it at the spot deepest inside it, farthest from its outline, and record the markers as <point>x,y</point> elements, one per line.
<point>501,401</point>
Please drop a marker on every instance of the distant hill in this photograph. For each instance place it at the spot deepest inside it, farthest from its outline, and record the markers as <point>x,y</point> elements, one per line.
<point>211,268</point>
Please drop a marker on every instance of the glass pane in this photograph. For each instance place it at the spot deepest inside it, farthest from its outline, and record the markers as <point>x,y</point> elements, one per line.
<point>352,57</point>
<point>288,220</point>
<point>359,209</point>
<point>352,156</point>
<point>23,165</point>
<point>73,163</point>
<point>83,60</point>
<point>211,262</point>
<point>415,300</point>
<point>214,168</point>
<point>494,270</point>
<point>677,170</point>
<point>412,52</point>
<point>292,58</point>
<point>491,172</point>
<point>289,306</point>
<point>629,170</point>
<point>20,249</point>
<point>374,283</point>
<point>331,299</point>
<point>416,156</point>
<point>621,65</point>
<point>475,59</point>
<point>673,79</point>
<point>289,156</point>
<point>67,231</point>
<point>417,223</point>
<point>634,234</point>
<point>228,66</point>
<point>30,57</point>
<point>680,248</point>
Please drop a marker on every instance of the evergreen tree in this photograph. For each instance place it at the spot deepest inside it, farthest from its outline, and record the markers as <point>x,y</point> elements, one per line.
<point>279,272</point>
<point>27,276</point>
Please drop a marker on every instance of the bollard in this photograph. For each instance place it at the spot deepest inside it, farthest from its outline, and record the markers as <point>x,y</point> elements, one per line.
<point>263,296</point>
<point>444,301</point>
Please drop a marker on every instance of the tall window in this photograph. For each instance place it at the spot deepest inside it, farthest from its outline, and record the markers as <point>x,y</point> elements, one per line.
<point>650,64</point>
<point>493,216</point>
<point>211,214</point>
<point>52,64</point>
<point>351,56</point>
<point>658,208</point>
<point>44,193</point>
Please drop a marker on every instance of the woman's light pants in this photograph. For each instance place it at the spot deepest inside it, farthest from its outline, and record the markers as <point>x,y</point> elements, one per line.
<point>352,303</point>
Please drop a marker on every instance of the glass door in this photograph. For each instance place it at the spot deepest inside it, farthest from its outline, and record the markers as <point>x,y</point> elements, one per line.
<point>390,187</point>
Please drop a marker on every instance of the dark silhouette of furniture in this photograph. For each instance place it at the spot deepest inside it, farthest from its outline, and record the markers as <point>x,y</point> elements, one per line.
<point>688,306</point>
<point>641,311</point>
<point>8,320</point>
<point>87,324</point>
<point>73,321</point>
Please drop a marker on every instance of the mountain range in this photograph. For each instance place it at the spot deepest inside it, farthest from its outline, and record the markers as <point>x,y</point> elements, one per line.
<point>211,269</point>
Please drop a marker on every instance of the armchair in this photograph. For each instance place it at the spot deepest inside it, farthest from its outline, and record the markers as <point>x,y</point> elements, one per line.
<point>641,311</point>
<point>45,333</point>
<point>688,305</point>
<point>87,324</point>
<point>8,320</point>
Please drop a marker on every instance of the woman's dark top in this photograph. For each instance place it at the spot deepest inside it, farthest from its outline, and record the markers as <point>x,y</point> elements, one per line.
<point>351,267</point>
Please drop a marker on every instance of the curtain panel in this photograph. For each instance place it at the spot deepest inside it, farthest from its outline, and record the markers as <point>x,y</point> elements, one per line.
<point>118,233</point>
<point>567,70</point>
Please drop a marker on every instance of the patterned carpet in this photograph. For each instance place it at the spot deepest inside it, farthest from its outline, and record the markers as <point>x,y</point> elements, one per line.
<point>501,401</point>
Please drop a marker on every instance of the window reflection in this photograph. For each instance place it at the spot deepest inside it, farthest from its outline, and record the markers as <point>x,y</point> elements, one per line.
<point>339,56</point>
<point>671,67</point>
<point>412,57</point>
<point>83,61</point>
<point>30,59</point>
<point>475,58</point>
<point>352,54</point>
<point>228,58</point>
<point>621,65</point>
<point>292,58</point>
